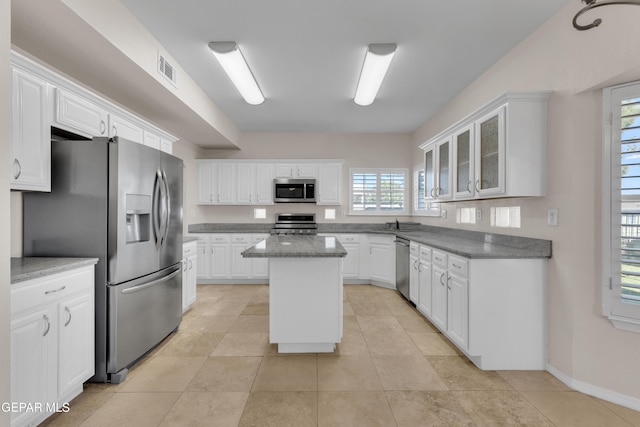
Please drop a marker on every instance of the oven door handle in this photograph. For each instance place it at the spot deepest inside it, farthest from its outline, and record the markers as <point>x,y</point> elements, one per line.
<point>148,285</point>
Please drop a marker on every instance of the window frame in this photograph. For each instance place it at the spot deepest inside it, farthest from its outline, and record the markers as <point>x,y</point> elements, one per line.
<point>378,211</point>
<point>623,315</point>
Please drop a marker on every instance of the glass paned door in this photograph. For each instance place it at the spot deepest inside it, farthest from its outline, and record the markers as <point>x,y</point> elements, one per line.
<point>490,153</point>
<point>429,174</point>
<point>443,168</point>
<point>463,155</point>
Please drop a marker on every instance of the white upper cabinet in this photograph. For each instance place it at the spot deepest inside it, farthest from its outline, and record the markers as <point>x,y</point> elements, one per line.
<point>125,129</point>
<point>438,171</point>
<point>296,170</point>
<point>250,182</point>
<point>30,132</point>
<point>152,140</point>
<point>254,183</point>
<point>463,168</point>
<point>329,185</point>
<point>497,151</point>
<point>79,115</point>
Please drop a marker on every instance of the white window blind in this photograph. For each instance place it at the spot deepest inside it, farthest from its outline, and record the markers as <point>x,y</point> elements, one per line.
<point>378,191</point>
<point>420,206</point>
<point>621,171</point>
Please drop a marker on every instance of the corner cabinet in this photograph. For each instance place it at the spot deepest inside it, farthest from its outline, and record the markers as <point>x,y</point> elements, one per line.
<point>497,151</point>
<point>30,132</point>
<point>52,341</point>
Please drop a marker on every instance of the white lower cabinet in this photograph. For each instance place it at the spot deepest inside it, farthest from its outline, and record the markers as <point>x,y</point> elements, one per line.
<point>382,258</point>
<point>350,263</point>
<point>422,279</point>
<point>189,272</point>
<point>491,309</point>
<point>52,342</point>
<point>220,260</point>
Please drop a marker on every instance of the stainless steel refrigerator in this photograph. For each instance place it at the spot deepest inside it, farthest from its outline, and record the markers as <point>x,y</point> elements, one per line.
<point>121,202</point>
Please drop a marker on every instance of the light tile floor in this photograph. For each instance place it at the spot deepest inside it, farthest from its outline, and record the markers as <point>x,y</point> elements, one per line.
<point>392,368</point>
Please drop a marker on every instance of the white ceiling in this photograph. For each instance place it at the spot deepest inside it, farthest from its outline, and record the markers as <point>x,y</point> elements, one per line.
<point>307,55</point>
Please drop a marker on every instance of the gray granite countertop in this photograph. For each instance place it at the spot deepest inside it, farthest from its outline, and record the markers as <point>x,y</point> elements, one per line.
<point>187,239</point>
<point>466,243</point>
<point>296,247</point>
<point>33,267</point>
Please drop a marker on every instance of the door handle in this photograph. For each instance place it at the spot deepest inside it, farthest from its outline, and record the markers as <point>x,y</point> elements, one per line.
<point>149,284</point>
<point>46,319</point>
<point>69,319</point>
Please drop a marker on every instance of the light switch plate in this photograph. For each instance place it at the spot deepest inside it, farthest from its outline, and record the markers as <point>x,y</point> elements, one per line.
<point>552,217</point>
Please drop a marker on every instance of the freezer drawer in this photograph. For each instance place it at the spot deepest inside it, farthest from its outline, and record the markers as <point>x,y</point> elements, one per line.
<point>142,313</point>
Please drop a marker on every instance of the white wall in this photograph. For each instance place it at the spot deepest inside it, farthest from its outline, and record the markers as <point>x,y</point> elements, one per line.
<point>583,345</point>
<point>5,220</point>
<point>357,150</point>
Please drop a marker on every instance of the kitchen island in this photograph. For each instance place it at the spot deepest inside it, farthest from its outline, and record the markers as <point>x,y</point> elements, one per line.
<point>305,291</point>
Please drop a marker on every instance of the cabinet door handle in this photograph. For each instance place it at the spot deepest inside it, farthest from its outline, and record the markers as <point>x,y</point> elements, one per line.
<point>184,265</point>
<point>449,281</point>
<point>115,130</point>
<point>442,277</point>
<point>190,264</point>
<point>469,187</point>
<point>419,269</point>
<point>62,288</point>
<point>477,185</point>
<point>69,319</point>
<point>103,127</point>
<point>18,172</point>
<point>46,319</point>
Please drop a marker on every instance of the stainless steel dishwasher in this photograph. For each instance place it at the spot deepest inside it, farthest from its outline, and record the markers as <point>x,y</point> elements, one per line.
<point>402,266</point>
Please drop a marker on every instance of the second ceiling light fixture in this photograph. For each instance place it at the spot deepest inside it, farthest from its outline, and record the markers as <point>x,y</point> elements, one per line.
<point>374,69</point>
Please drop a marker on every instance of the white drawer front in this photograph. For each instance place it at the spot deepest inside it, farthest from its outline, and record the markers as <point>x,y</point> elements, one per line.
<point>240,238</point>
<point>458,266</point>
<point>219,238</point>
<point>425,254</point>
<point>42,290</point>
<point>439,258</point>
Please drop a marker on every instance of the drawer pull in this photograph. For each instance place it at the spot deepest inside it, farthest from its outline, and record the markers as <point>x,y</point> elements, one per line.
<point>55,290</point>
<point>456,265</point>
<point>69,319</point>
<point>46,319</point>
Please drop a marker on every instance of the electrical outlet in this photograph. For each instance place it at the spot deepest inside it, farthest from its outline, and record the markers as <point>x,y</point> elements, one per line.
<point>478,214</point>
<point>552,217</point>
<point>443,214</point>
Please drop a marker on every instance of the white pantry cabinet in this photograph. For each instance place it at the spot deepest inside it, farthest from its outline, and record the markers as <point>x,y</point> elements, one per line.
<point>30,131</point>
<point>189,272</point>
<point>497,151</point>
<point>52,341</point>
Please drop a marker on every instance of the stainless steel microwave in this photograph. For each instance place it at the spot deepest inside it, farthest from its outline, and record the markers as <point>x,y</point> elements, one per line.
<point>294,190</point>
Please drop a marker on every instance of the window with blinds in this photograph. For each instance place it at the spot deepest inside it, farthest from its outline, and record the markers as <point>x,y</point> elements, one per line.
<point>621,170</point>
<point>420,206</point>
<point>378,191</point>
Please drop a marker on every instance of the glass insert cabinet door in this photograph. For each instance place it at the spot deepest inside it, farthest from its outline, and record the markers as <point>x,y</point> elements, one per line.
<point>443,168</point>
<point>429,174</point>
<point>490,153</point>
<point>463,163</point>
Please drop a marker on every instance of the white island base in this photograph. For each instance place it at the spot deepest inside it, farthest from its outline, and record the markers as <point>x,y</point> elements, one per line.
<point>305,304</point>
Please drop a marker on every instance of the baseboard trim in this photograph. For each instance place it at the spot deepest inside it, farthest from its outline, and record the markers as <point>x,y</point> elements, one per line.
<point>595,391</point>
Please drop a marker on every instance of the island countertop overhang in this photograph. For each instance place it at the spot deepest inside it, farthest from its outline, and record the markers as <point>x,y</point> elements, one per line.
<point>284,246</point>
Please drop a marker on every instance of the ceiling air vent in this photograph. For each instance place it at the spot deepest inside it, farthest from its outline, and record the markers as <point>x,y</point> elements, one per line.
<point>166,69</point>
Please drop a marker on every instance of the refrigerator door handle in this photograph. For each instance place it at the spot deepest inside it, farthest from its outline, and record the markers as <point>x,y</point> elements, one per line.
<point>158,209</point>
<point>166,206</point>
<point>148,285</point>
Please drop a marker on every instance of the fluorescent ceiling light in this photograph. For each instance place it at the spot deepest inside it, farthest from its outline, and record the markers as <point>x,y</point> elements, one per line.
<point>376,64</point>
<point>230,58</point>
